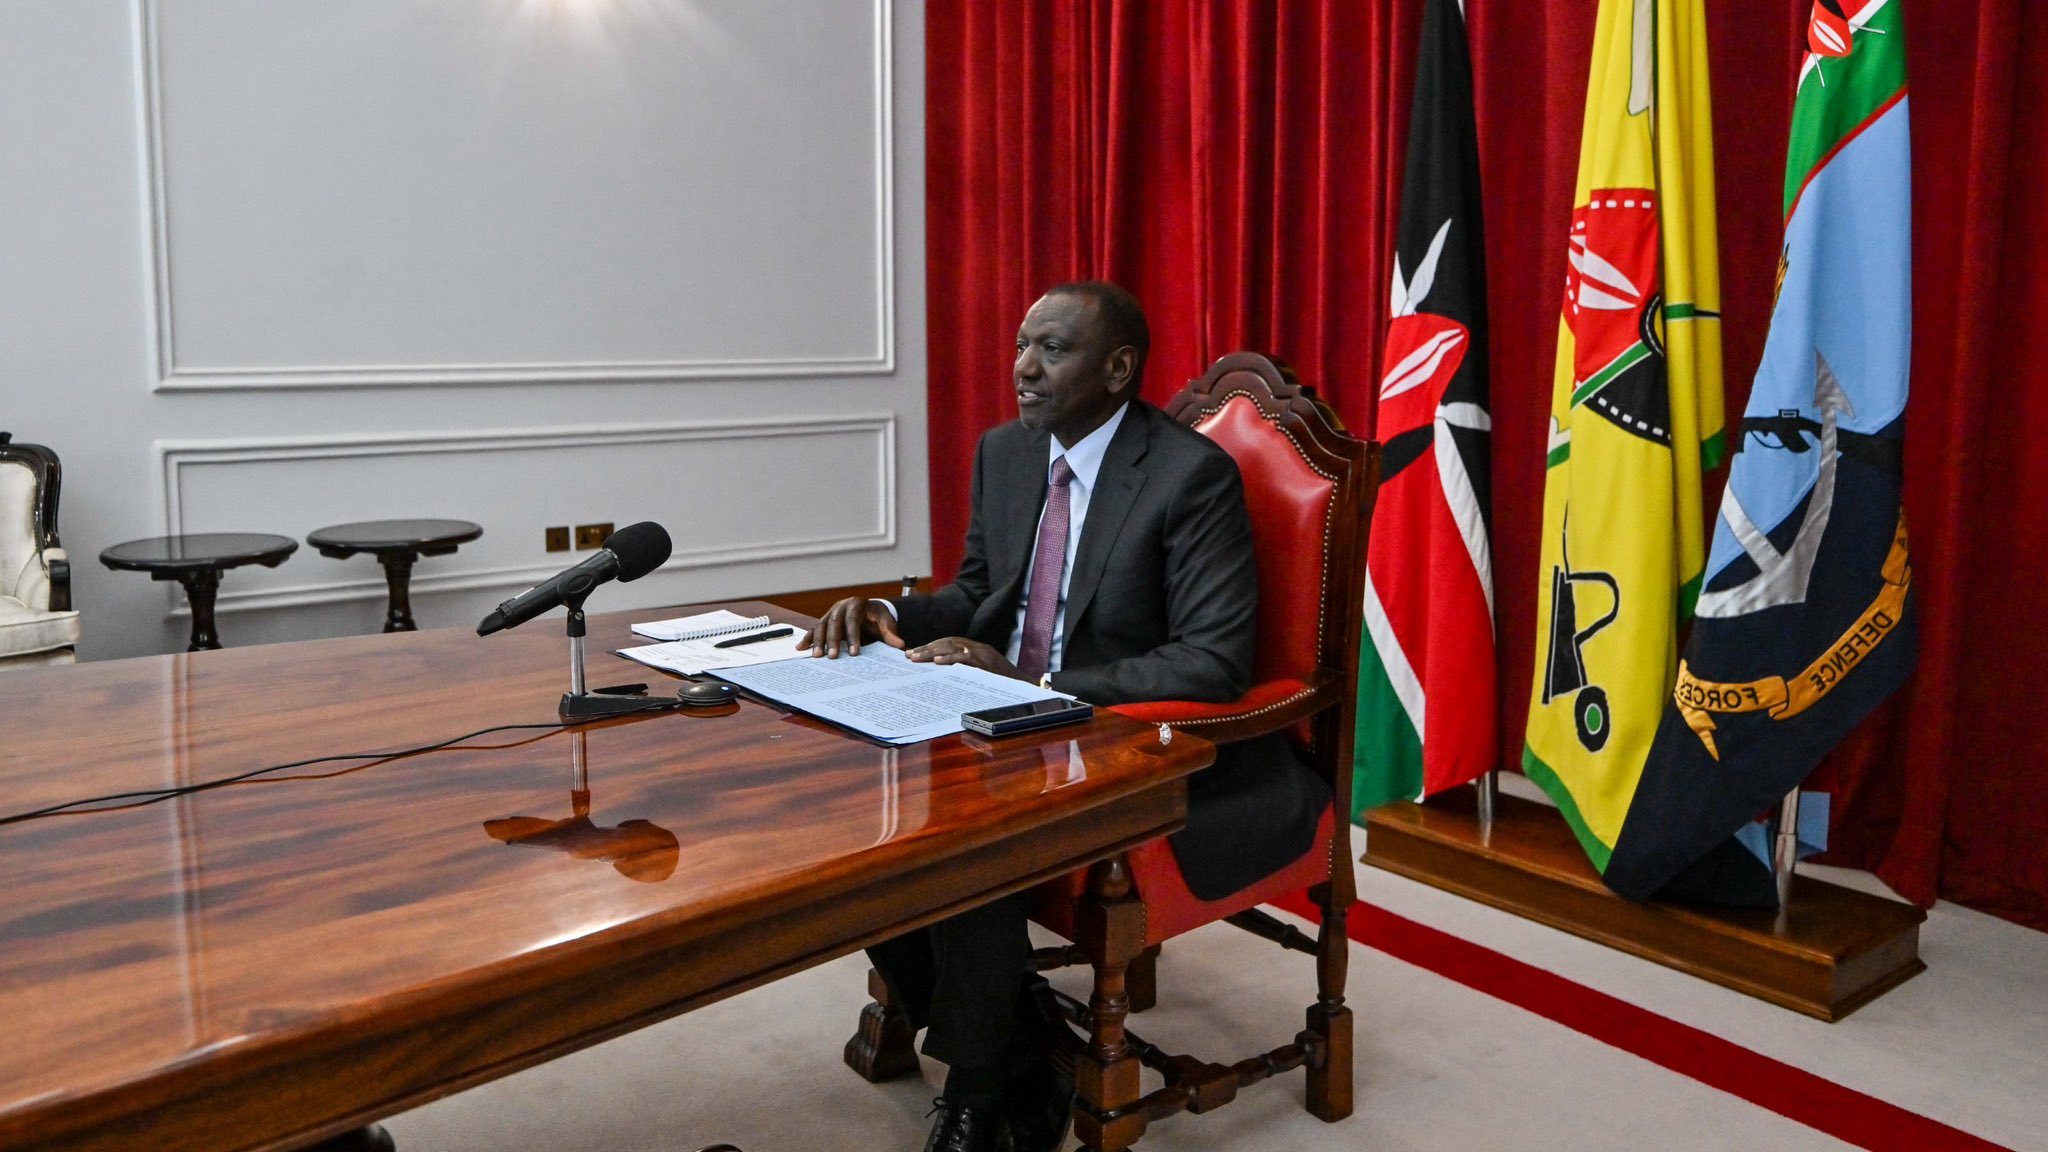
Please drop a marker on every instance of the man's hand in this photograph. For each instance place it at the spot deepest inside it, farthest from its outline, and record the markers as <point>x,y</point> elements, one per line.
<point>847,623</point>
<point>961,650</point>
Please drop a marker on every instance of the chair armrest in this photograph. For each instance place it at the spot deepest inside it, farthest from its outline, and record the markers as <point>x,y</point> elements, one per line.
<point>1270,706</point>
<point>59,562</point>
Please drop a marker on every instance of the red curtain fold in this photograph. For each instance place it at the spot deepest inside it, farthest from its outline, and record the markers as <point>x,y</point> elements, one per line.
<point>1942,795</point>
<point>1063,142</point>
<point>1236,162</point>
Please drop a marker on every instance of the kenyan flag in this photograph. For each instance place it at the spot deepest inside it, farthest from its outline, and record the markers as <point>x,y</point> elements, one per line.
<point>1426,694</point>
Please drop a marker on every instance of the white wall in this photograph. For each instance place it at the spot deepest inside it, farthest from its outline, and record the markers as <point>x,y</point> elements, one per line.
<point>267,265</point>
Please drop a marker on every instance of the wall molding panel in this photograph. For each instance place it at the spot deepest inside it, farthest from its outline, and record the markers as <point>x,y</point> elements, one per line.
<point>223,485</point>
<point>212,294</point>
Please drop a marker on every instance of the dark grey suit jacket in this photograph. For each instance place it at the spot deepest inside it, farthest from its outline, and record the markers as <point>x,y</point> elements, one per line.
<point>1162,605</point>
<point>1163,602</point>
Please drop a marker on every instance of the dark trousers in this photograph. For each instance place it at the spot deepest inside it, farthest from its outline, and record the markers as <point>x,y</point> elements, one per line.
<point>968,980</point>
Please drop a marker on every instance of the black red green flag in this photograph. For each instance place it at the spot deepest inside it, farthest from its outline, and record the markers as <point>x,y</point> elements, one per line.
<point>1426,682</point>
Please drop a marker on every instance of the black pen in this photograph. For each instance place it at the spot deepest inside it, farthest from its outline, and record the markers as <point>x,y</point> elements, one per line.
<point>770,634</point>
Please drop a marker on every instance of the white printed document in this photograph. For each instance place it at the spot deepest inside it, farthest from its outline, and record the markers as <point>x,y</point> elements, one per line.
<point>882,693</point>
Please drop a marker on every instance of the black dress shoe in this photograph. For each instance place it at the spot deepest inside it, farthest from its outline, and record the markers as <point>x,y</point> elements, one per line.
<point>960,1128</point>
<point>1039,1105</point>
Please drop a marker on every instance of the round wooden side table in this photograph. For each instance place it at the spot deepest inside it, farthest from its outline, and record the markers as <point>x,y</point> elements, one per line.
<point>396,544</point>
<point>196,560</point>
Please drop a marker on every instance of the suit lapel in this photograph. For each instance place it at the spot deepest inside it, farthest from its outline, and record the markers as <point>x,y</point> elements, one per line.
<point>1015,530</point>
<point>1116,490</point>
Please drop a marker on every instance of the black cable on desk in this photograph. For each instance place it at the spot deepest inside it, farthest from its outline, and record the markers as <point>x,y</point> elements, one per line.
<point>119,801</point>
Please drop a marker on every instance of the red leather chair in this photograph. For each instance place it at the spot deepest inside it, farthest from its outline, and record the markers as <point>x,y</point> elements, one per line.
<point>1309,487</point>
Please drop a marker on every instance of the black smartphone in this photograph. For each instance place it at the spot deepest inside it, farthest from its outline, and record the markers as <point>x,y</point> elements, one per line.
<point>1025,717</point>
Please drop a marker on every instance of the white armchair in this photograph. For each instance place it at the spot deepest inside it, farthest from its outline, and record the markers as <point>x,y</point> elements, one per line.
<point>37,624</point>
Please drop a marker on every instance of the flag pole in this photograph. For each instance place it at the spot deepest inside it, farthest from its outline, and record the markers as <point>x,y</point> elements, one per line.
<point>1488,785</point>
<point>1787,853</point>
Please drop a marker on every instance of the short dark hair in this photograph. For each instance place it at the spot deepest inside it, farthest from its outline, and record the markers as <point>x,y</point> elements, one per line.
<point>1122,316</point>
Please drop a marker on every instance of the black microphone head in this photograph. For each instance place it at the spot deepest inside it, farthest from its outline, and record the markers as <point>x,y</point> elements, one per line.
<point>641,548</point>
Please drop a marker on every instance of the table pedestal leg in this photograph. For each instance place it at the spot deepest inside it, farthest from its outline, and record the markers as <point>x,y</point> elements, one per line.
<point>398,578</point>
<point>200,589</point>
<point>369,1138</point>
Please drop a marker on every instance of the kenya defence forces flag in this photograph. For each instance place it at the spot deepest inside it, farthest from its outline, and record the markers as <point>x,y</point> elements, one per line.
<point>1635,417</point>
<point>1805,623</point>
<point>1426,697</point>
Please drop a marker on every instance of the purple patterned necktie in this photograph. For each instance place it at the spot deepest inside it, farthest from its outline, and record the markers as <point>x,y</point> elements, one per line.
<point>1034,655</point>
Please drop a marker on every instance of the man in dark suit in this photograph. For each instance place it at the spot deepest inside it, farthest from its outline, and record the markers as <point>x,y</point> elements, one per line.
<point>1109,556</point>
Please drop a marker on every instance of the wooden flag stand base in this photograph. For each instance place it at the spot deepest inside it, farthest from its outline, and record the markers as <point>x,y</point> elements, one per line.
<point>1830,951</point>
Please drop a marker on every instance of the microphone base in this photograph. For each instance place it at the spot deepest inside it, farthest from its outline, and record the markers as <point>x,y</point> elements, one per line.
<point>590,705</point>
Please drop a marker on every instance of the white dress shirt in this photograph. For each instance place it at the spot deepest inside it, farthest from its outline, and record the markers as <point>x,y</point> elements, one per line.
<point>1085,458</point>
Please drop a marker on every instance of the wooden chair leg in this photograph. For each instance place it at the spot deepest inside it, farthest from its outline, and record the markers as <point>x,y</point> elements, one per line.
<point>883,1047</point>
<point>1111,926</point>
<point>1141,980</point>
<point>1329,1082</point>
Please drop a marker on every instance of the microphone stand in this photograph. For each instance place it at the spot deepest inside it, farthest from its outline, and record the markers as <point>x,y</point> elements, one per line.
<point>579,704</point>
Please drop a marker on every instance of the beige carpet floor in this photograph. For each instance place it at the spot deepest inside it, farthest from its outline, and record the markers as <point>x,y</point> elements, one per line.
<point>1440,1066</point>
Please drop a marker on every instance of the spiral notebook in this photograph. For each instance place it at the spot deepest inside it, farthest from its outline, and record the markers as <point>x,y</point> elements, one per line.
<point>702,626</point>
<point>689,644</point>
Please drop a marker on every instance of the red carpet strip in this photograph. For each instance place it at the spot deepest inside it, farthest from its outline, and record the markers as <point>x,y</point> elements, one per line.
<point>1791,1092</point>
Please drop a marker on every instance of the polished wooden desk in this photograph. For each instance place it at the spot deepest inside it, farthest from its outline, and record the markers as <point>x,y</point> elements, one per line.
<point>268,964</point>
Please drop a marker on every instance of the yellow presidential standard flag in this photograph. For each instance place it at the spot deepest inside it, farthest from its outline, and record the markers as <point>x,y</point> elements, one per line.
<point>1635,416</point>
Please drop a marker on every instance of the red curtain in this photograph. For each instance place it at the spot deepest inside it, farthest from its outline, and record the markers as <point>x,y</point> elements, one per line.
<point>1064,139</point>
<point>1235,163</point>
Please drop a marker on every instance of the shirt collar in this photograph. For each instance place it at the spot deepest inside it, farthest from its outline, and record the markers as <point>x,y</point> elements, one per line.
<point>1085,458</point>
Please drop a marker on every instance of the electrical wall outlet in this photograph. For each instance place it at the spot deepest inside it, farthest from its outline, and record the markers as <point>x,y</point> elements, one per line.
<point>558,539</point>
<point>590,536</point>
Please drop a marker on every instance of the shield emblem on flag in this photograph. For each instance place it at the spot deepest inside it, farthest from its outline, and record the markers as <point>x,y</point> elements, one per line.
<point>1425,351</point>
<point>1613,307</point>
<point>1827,31</point>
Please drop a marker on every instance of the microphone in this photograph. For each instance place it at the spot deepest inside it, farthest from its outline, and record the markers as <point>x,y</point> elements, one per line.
<point>628,554</point>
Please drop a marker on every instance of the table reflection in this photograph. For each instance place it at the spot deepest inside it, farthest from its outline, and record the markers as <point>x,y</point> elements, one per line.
<point>637,849</point>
